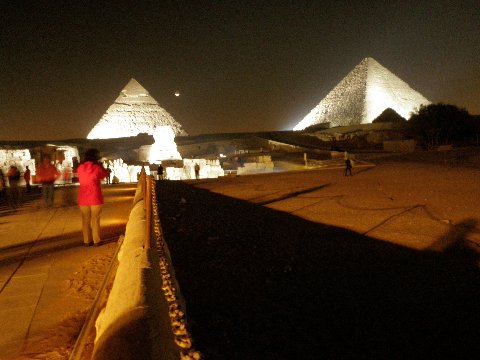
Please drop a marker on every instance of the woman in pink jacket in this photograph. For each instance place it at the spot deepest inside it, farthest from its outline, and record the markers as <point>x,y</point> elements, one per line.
<point>90,198</point>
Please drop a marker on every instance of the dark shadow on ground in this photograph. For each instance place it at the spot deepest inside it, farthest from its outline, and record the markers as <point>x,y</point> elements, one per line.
<point>24,200</point>
<point>262,284</point>
<point>53,244</point>
<point>293,194</point>
<point>359,170</point>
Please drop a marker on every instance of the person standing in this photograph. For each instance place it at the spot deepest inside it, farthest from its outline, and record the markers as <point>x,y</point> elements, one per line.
<point>348,166</point>
<point>197,171</point>
<point>109,171</point>
<point>160,172</point>
<point>90,197</point>
<point>2,185</point>
<point>46,174</point>
<point>26,177</point>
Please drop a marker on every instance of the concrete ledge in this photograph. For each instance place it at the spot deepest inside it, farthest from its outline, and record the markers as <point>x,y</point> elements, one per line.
<point>135,322</point>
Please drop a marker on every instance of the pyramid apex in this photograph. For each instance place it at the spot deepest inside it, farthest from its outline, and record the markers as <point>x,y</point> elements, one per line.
<point>134,88</point>
<point>133,80</point>
<point>368,60</point>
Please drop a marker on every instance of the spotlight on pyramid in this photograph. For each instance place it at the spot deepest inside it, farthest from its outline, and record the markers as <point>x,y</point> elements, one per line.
<point>362,96</point>
<point>133,112</point>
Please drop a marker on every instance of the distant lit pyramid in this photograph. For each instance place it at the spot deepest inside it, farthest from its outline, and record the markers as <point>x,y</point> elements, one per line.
<point>134,112</point>
<point>363,95</point>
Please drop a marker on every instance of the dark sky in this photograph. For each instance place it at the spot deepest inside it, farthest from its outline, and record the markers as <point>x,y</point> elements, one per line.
<point>239,65</point>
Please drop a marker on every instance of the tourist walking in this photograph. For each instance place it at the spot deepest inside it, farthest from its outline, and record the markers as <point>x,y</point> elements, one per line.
<point>26,177</point>
<point>197,171</point>
<point>90,197</point>
<point>160,172</point>
<point>13,176</point>
<point>348,167</point>
<point>109,171</point>
<point>2,185</point>
<point>46,174</point>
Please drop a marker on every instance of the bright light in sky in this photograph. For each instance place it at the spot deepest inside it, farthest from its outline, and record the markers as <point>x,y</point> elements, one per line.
<point>177,93</point>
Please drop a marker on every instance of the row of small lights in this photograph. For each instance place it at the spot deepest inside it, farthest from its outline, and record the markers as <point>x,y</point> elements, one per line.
<point>177,317</point>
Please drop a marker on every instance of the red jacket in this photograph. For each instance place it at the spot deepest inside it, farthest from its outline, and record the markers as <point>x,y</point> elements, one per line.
<point>46,173</point>
<point>89,175</point>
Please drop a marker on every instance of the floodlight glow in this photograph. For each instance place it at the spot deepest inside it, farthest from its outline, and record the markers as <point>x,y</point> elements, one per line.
<point>133,112</point>
<point>362,96</point>
<point>377,100</point>
<point>164,147</point>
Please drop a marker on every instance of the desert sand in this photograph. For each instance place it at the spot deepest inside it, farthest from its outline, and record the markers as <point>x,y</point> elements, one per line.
<point>314,264</point>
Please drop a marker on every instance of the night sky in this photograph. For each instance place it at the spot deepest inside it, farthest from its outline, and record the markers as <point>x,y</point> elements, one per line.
<point>239,65</point>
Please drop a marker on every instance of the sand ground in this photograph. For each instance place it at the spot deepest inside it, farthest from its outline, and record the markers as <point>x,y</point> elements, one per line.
<point>303,264</point>
<point>314,264</point>
<point>48,280</point>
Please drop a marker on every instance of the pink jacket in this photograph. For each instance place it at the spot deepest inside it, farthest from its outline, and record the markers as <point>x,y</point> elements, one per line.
<point>89,175</point>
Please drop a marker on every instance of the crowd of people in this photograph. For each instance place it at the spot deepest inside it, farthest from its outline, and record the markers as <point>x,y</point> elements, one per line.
<point>91,173</point>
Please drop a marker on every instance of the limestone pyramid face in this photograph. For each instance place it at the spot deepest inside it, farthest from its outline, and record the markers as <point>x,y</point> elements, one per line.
<point>362,95</point>
<point>132,113</point>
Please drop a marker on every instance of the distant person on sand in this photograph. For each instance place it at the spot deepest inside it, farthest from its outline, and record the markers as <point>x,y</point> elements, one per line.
<point>13,177</point>
<point>348,167</point>
<point>109,171</point>
<point>46,174</point>
<point>90,197</point>
<point>160,172</point>
<point>26,177</point>
<point>197,171</point>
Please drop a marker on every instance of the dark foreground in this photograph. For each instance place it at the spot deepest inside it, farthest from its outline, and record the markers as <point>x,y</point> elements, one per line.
<point>263,284</point>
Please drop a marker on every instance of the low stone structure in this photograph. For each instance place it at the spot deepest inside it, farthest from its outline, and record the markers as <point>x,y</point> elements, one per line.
<point>256,165</point>
<point>404,146</point>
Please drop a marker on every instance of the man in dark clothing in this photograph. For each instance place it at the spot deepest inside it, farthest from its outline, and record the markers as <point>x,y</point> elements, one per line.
<point>26,177</point>
<point>348,167</point>
<point>160,172</point>
<point>197,171</point>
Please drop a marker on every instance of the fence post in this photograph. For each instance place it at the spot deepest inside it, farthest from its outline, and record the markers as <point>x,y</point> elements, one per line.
<point>142,184</point>
<point>148,211</point>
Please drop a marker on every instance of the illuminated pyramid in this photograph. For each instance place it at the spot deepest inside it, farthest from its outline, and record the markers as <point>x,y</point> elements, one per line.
<point>134,112</point>
<point>362,95</point>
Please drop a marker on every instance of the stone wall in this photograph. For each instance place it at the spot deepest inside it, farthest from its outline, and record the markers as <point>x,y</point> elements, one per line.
<point>399,146</point>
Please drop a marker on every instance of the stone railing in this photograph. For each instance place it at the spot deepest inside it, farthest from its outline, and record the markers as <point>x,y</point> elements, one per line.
<point>144,317</point>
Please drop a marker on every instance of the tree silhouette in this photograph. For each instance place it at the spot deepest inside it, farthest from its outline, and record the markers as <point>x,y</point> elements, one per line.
<point>438,124</point>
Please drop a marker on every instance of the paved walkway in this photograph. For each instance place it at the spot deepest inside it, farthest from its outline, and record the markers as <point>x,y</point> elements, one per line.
<point>47,278</point>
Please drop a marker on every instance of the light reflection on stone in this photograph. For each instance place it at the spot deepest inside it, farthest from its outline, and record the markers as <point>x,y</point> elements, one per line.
<point>362,96</point>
